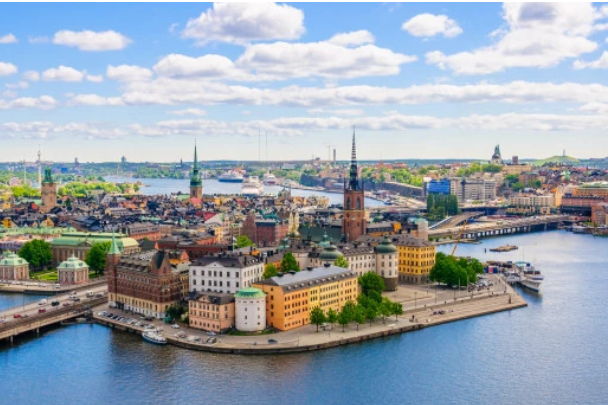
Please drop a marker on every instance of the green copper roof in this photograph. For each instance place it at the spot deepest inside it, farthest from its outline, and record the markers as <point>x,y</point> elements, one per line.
<point>195,178</point>
<point>325,242</point>
<point>79,238</point>
<point>72,263</point>
<point>331,252</point>
<point>114,249</point>
<point>250,292</point>
<point>48,178</point>
<point>386,247</point>
<point>12,259</point>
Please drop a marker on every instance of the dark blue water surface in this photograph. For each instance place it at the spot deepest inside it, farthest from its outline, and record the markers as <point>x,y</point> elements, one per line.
<point>552,352</point>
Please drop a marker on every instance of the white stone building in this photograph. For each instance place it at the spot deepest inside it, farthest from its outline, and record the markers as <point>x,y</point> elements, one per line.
<point>225,273</point>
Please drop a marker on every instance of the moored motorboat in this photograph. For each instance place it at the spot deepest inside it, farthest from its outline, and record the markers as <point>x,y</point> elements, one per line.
<point>154,337</point>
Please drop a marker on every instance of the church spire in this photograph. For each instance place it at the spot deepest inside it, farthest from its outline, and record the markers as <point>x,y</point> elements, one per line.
<point>114,249</point>
<point>195,159</point>
<point>354,180</point>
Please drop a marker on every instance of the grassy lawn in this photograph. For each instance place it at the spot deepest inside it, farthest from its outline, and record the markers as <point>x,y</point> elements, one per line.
<point>49,275</point>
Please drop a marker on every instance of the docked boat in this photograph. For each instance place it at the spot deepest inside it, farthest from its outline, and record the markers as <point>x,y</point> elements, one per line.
<point>252,186</point>
<point>513,277</point>
<point>270,179</point>
<point>154,337</point>
<point>230,177</point>
<point>531,276</point>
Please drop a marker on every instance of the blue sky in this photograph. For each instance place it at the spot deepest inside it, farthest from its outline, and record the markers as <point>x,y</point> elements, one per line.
<point>437,80</point>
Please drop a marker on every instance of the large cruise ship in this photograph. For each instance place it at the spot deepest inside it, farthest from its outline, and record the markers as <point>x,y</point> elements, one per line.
<point>230,177</point>
<point>252,186</point>
<point>270,179</point>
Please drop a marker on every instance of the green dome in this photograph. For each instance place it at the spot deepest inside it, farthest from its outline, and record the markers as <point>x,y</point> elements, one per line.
<point>330,253</point>
<point>250,292</point>
<point>386,247</point>
<point>12,259</point>
<point>72,263</point>
<point>325,242</point>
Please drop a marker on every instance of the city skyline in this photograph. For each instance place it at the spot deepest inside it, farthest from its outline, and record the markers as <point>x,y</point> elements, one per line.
<point>419,81</point>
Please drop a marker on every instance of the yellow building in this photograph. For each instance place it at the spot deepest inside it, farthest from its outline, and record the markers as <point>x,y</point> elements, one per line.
<point>291,297</point>
<point>516,168</point>
<point>416,256</point>
<point>416,259</point>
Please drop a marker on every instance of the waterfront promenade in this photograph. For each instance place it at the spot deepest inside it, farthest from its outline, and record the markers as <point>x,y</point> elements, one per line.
<point>418,304</point>
<point>47,288</point>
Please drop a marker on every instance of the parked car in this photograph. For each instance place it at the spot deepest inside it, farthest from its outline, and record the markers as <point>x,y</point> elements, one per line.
<point>76,299</point>
<point>175,326</point>
<point>55,303</point>
<point>16,315</point>
<point>66,304</point>
<point>272,341</point>
<point>210,333</point>
<point>41,310</point>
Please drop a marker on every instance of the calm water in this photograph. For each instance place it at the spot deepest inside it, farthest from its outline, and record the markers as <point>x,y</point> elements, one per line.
<point>168,186</point>
<point>552,352</point>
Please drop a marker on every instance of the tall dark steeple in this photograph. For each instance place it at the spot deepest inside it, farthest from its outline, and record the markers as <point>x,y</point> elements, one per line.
<point>353,183</point>
<point>353,221</point>
<point>196,184</point>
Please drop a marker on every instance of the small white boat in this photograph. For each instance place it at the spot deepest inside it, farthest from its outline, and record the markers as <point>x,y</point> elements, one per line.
<point>155,338</point>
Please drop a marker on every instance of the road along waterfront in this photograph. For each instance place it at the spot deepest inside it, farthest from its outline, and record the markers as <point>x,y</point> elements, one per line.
<point>551,352</point>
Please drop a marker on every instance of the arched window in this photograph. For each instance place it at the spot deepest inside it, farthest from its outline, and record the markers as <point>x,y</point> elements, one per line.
<point>358,203</point>
<point>348,203</point>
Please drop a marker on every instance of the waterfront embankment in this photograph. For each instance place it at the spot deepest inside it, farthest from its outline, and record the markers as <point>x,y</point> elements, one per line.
<point>307,339</point>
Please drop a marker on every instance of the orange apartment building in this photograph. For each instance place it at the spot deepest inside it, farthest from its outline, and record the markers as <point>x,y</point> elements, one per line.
<point>291,296</point>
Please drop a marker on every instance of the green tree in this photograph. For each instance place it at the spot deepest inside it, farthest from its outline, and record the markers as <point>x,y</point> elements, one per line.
<point>96,256</point>
<point>332,316</point>
<point>518,186</point>
<point>289,263</point>
<point>176,311</point>
<point>371,282</point>
<point>270,271</point>
<point>244,241</point>
<point>385,308</point>
<point>344,317</point>
<point>341,262</point>
<point>317,317</point>
<point>371,311</point>
<point>397,309</point>
<point>37,253</point>
<point>359,315</point>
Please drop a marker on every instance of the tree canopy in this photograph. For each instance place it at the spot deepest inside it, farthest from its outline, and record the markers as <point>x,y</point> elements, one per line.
<point>270,271</point>
<point>37,253</point>
<point>455,271</point>
<point>341,262</point>
<point>371,282</point>
<point>96,256</point>
<point>244,241</point>
<point>317,317</point>
<point>289,263</point>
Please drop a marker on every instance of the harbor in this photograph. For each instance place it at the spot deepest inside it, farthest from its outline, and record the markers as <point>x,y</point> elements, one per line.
<point>576,277</point>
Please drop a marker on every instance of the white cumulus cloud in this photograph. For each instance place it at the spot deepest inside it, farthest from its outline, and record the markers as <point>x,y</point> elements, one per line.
<point>42,102</point>
<point>198,112</point>
<point>92,41</point>
<point>63,74</point>
<point>7,69</point>
<point>245,22</point>
<point>601,63</point>
<point>352,38</point>
<point>538,35</point>
<point>8,39</point>
<point>128,73</point>
<point>429,25</point>
<point>207,66</point>
<point>95,78</point>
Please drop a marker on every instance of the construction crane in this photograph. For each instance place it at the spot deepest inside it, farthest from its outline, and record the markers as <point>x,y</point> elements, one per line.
<point>466,221</point>
<point>329,146</point>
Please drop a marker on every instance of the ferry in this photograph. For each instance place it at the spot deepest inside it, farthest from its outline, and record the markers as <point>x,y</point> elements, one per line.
<point>530,276</point>
<point>230,177</point>
<point>252,186</point>
<point>270,179</point>
<point>155,338</point>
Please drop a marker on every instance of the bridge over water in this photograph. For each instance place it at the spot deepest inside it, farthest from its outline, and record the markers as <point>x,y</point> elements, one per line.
<point>506,227</point>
